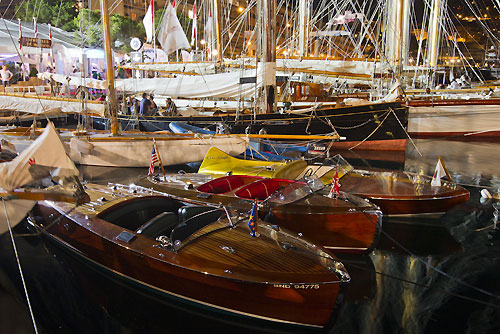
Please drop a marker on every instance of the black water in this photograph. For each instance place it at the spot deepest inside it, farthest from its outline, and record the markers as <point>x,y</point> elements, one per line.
<point>427,275</point>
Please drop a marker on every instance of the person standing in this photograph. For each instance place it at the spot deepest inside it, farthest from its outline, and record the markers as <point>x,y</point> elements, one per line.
<point>145,105</point>
<point>6,76</point>
<point>152,107</point>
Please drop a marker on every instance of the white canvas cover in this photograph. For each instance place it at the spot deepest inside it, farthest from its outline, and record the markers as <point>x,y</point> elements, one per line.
<point>222,85</point>
<point>46,156</point>
<point>34,105</point>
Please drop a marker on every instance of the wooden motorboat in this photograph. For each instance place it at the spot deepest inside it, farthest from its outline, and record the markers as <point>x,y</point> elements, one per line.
<point>199,256</point>
<point>395,192</point>
<point>346,223</point>
<point>403,193</point>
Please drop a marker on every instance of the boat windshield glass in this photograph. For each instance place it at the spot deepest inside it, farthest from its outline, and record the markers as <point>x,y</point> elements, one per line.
<point>296,191</point>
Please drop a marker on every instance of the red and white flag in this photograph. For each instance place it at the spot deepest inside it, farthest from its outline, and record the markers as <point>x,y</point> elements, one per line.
<point>35,27</point>
<point>438,174</point>
<point>194,28</point>
<point>335,191</point>
<point>148,22</point>
<point>20,35</point>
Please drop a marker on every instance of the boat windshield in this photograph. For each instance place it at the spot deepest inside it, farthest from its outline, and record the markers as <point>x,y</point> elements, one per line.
<point>296,191</point>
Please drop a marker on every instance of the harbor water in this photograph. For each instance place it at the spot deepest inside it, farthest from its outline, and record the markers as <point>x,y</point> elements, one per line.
<point>427,275</point>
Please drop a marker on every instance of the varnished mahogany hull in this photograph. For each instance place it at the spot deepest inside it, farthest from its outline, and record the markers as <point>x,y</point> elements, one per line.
<point>344,229</point>
<point>344,233</point>
<point>394,206</point>
<point>258,302</point>
<point>403,193</point>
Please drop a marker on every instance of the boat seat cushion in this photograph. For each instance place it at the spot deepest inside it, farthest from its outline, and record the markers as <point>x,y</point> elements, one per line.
<point>161,224</point>
<point>195,222</point>
<point>189,211</point>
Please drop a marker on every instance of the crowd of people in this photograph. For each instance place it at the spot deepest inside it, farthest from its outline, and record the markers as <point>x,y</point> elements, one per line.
<point>146,106</point>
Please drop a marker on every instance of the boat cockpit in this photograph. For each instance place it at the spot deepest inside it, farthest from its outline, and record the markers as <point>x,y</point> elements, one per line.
<point>161,218</point>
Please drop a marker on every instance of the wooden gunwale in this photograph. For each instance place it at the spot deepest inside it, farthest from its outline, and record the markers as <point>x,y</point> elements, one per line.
<point>333,227</point>
<point>70,230</point>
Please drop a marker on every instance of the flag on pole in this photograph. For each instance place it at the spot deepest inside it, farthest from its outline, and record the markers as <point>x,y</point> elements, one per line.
<point>20,35</point>
<point>35,27</point>
<point>252,222</point>
<point>209,34</point>
<point>50,32</point>
<point>171,36</point>
<point>438,174</point>
<point>148,23</point>
<point>335,191</point>
<point>194,27</point>
<point>154,159</point>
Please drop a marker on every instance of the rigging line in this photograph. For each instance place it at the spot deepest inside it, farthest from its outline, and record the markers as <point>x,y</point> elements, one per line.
<point>16,46</point>
<point>19,266</point>
<point>427,264</point>
<point>113,6</point>
<point>427,286</point>
<point>59,11</point>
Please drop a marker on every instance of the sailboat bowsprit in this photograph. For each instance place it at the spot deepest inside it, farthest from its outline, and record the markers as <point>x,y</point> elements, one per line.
<point>199,257</point>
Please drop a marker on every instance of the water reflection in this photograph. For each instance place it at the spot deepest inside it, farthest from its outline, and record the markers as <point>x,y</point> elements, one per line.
<point>427,275</point>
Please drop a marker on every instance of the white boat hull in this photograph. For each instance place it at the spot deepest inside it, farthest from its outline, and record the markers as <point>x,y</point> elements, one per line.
<point>137,152</point>
<point>454,121</point>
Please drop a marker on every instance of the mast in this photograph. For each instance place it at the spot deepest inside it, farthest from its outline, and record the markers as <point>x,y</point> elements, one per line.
<point>433,40</point>
<point>396,35</point>
<point>218,31</point>
<point>304,14</point>
<point>267,31</point>
<point>110,73</point>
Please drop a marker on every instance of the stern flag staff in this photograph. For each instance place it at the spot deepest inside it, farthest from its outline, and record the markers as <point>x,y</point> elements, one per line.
<point>155,157</point>
<point>252,221</point>
<point>335,191</point>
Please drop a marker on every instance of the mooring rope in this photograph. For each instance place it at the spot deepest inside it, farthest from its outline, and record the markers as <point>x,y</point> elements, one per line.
<point>19,267</point>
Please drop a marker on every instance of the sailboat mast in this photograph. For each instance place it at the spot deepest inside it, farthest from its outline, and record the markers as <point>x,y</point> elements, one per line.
<point>433,50</point>
<point>304,18</point>
<point>267,32</point>
<point>218,31</point>
<point>110,68</point>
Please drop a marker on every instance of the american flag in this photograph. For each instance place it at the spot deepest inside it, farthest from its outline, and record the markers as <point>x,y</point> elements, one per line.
<point>154,159</point>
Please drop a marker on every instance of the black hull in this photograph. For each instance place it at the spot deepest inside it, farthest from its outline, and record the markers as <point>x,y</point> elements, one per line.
<point>356,123</point>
